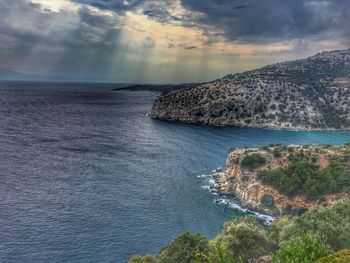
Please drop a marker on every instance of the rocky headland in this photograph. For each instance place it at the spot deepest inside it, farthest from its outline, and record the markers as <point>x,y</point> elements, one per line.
<point>280,179</point>
<point>307,94</point>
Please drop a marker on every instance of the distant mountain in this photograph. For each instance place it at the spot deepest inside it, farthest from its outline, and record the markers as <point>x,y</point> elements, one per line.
<point>312,93</point>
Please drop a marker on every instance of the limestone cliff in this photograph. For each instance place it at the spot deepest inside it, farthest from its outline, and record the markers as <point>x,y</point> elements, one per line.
<point>244,183</point>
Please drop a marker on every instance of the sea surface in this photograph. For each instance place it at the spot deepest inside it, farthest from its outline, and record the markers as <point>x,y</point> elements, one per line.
<point>87,176</point>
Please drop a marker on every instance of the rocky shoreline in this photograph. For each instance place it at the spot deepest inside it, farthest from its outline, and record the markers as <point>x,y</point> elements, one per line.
<point>251,193</point>
<point>278,127</point>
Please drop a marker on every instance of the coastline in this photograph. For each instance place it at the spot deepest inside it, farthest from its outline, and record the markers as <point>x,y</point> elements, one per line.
<point>265,127</point>
<point>250,192</point>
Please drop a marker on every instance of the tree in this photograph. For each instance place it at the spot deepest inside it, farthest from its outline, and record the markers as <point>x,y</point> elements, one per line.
<point>342,256</point>
<point>244,238</point>
<point>328,225</point>
<point>145,259</point>
<point>220,254</point>
<point>303,249</point>
<point>276,228</point>
<point>185,248</point>
<point>253,161</point>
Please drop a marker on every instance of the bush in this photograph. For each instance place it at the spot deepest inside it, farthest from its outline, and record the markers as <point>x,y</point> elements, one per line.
<point>267,201</point>
<point>145,259</point>
<point>277,153</point>
<point>221,254</point>
<point>342,256</point>
<point>329,226</point>
<point>276,229</point>
<point>185,248</point>
<point>301,249</point>
<point>245,238</point>
<point>304,177</point>
<point>253,161</point>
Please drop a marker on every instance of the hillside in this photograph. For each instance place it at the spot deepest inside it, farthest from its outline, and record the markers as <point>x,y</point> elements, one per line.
<point>312,93</point>
<point>280,179</point>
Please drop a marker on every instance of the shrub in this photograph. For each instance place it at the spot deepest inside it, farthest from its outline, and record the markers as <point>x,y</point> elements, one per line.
<point>342,256</point>
<point>267,201</point>
<point>221,254</point>
<point>185,248</point>
<point>330,226</point>
<point>245,238</point>
<point>253,161</point>
<point>301,249</point>
<point>305,177</point>
<point>145,259</point>
<point>276,229</point>
<point>277,153</point>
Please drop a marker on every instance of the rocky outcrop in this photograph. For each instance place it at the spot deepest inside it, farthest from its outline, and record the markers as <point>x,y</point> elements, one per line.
<point>252,193</point>
<point>307,94</point>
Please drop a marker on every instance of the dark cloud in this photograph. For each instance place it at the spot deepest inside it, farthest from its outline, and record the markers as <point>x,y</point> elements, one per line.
<point>247,21</point>
<point>54,29</point>
<point>118,6</point>
<point>272,20</point>
<point>160,15</point>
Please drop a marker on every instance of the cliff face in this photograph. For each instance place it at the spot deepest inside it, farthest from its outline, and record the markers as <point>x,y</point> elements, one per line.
<point>312,93</point>
<point>254,194</point>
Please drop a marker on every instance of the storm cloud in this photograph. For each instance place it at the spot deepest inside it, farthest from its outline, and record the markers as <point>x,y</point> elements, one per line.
<point>273,20</point>
<point>178,40</point>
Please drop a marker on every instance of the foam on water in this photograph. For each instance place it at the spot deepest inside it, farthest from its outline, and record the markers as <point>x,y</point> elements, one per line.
<point>212,186</point>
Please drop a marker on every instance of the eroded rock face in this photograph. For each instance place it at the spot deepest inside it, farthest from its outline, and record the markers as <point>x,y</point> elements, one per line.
<point>313,93</point>
<point>244,184</point>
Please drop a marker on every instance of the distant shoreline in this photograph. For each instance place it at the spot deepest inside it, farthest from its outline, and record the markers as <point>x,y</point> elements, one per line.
<point>218,125</point>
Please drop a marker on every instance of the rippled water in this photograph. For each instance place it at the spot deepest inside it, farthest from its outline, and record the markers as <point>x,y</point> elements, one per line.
<point>86,176</point>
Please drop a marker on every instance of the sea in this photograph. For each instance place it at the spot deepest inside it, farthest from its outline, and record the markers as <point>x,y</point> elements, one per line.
<point>87,176</point>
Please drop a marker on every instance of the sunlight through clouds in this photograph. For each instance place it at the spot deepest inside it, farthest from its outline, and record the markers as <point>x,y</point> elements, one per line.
<point>160,41</point>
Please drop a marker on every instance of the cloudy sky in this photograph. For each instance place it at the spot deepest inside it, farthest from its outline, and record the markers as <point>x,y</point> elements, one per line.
<point>164,41</point>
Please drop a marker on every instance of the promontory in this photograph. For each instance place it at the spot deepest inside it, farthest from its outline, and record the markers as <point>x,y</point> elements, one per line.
<point>307,94</point>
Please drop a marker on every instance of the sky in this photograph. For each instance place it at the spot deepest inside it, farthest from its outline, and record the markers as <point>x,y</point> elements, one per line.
<point>164,41</point>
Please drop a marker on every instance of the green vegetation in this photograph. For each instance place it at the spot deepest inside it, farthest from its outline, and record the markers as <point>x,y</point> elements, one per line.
<point>277,153</point>
<point>185,248</point>
<point>145,259</point>
<point>306,177</point>
<point>308,238</point>
<point>330,226</point>
<point>301,249</point>
<point>245,238</point>
<point>253,161</point>
<point>342,256</point>
<point>267,201</point>
<point>220,254</point>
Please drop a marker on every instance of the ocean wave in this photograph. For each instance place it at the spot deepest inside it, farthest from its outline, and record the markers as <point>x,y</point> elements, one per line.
<point>217,170</point>
<point>232,204</point>
<point>204,175</point>
<point>212,185</point>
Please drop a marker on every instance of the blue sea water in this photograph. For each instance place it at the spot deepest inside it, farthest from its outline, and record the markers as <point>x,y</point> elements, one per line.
<point>86,176</point>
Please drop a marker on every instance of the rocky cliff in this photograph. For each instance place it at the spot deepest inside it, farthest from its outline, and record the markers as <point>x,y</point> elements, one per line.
<point>312,93</point>
<point>242,180</point>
